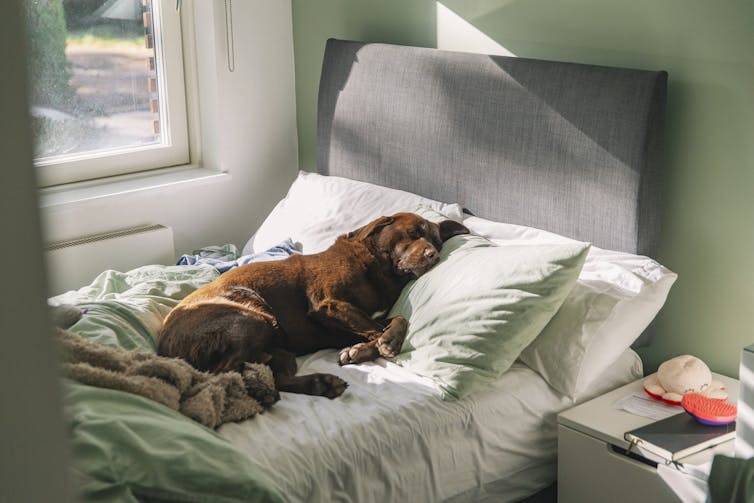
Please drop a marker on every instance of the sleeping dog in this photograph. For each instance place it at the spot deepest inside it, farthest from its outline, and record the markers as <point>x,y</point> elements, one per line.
<point>269,312</point>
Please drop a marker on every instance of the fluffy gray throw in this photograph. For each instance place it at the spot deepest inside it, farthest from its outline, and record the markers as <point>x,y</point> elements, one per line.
<point>210,399</point>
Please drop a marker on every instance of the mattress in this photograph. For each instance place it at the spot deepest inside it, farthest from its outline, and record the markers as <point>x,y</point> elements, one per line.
<point>391,438</point>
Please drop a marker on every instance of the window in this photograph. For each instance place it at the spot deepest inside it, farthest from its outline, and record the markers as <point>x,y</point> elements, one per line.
<point>106,88</point>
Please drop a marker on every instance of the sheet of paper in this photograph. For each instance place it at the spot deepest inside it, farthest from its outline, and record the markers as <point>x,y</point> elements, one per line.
<point>645,406</point>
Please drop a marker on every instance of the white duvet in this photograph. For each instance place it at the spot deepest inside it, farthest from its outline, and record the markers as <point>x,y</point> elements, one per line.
<point>391,438</point>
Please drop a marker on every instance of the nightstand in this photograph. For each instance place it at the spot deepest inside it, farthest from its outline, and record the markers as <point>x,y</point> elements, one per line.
<point>592,464</point>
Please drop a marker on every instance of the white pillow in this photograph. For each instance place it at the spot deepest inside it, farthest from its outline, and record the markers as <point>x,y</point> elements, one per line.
<point>615,298</point>
<point>320,208</point>
<point>627,368</point>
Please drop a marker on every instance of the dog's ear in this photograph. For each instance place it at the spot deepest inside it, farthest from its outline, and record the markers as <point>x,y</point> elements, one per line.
<point>450,228</point>
<point>370,228</point>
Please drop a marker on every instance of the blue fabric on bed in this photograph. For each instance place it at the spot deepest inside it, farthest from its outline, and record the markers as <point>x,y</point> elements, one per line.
<point>224,258</point>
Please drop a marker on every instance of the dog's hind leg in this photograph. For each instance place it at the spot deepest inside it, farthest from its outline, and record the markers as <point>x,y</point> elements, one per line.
<point>327,385</point>
<point>283,365</point>
<point>217,336</point>
<point>246,339</point>
<point>282,362</point>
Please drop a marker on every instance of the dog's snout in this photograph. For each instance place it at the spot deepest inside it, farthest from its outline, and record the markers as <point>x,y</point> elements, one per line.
<point>430,253</point>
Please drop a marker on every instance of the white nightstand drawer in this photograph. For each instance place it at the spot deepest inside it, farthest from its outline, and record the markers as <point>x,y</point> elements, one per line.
<point>590,471</point>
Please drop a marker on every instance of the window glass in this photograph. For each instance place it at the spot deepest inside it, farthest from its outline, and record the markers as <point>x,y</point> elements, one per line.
<point>98,74</point>
<point>92,75</point>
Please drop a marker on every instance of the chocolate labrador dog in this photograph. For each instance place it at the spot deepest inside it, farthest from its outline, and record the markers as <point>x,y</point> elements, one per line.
<point>269,312</point>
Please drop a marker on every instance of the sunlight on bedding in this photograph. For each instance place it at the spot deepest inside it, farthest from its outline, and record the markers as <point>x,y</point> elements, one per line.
<point>412,446</point>
<point>397,374</point>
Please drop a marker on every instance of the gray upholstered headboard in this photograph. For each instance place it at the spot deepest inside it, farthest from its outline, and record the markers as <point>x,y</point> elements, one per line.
<point>570,148</point>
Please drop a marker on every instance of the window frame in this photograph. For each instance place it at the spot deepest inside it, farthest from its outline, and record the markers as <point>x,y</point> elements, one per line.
<point>174,148</point>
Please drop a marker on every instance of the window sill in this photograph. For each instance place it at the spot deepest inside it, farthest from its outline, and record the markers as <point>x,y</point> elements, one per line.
<point>99,189</point>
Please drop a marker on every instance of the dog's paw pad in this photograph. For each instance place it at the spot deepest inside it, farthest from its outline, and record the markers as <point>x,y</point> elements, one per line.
<point>390,344</point>
<point>389,347</point>
<point>344,358</point>
<point>362,352</point>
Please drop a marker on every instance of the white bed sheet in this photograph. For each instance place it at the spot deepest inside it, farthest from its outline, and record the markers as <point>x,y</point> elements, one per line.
<point>390,438</point>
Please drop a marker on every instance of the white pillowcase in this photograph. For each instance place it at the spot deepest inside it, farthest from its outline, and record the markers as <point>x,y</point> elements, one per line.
<point>320,208</point>
<point>615,298</point>
<point>627,368</point>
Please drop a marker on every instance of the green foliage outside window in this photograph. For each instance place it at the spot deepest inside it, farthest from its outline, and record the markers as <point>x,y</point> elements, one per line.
<point>49,70</point>
<point>77,11</point>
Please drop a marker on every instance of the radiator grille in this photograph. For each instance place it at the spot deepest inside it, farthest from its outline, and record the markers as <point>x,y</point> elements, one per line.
<point>74,263</point>
<point>102,237</point>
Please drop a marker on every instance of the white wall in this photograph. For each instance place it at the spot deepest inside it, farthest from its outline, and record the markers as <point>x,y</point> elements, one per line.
<point>248,129</point>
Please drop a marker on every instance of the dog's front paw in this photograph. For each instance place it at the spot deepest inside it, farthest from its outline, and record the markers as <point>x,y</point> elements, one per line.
<point>344,358</point>
<point>398,323</point>
<point>389,347</point>
<point>389,344</point>
<point>327,385</point>
<point>362,352</point>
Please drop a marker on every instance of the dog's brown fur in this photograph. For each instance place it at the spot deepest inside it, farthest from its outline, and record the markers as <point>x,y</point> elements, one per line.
<point>269,312</point>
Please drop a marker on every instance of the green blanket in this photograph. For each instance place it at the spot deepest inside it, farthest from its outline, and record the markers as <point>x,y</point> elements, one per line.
<point>128,448</point>
<point>731,480</point>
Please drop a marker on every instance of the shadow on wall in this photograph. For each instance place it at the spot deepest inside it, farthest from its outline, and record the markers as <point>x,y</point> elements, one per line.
<point>708,192</point>
<point>581,31</point>
<point>393,21</point>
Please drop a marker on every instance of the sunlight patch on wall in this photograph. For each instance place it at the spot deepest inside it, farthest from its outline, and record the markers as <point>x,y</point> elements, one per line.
<point>745,421</point>
<point>454,33</point>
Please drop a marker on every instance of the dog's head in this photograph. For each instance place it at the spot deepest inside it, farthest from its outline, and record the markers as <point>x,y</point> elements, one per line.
<point>410,242</point>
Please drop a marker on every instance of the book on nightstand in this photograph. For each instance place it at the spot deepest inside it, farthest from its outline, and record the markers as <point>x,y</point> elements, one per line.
<point>678,436</point>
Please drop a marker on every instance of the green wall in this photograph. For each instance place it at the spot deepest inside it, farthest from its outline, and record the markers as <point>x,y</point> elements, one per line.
<point>708,50</point>
<point>407,22</point>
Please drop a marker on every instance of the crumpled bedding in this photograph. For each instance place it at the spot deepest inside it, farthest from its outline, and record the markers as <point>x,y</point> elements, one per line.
<point>208,399</point>
<point>391,437</point>
<point>226,257</point>
<point>127,448</point>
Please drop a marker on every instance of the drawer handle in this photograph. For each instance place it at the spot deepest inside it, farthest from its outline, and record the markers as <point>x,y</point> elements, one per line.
<point>636,457</point>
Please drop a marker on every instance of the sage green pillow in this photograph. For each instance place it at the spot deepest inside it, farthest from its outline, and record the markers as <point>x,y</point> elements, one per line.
<point>474,312</point>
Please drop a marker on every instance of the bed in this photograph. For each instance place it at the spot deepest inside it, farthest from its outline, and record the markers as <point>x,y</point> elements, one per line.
<point>522,151</point>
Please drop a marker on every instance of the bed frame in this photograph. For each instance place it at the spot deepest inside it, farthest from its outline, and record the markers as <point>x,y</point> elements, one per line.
<point>570,148</point>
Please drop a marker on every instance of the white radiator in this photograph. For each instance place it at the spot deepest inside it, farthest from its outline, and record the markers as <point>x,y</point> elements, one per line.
<point>75,263</point>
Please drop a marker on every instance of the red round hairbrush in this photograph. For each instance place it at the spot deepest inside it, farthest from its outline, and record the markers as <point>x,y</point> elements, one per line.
<point>711,411</point>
